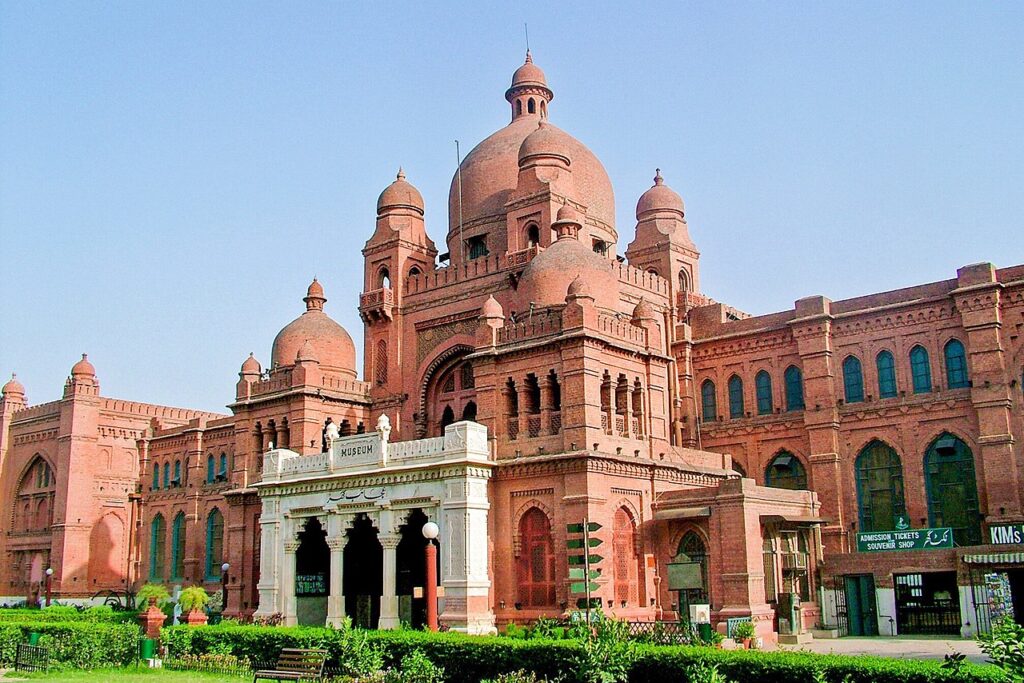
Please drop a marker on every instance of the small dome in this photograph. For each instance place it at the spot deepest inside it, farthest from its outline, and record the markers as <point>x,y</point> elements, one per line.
<point>251,366</point>
<point>644,311</point>
<point>306,352</point>
<point>529,74</point>
<point>13,387</point>
<point>546,279</point>
<point>660,197</point>
<point>577,288</point>
<point>491,309</point>
<point>567,214</point>
<point>400,195</point>
<point>83,368</point>
<point>329,342</point>
<point>546,141</point>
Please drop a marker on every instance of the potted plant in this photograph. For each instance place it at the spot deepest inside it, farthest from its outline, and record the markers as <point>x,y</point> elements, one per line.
<point>743,632</point>
<point>192,600</point>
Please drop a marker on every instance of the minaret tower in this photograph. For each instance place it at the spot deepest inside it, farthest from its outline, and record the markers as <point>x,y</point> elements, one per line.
<point>529,94</point>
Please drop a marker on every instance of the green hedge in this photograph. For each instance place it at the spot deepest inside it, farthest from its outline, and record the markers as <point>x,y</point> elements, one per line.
<point>470,659</point>
<point>63,613</point>
<point>74,644</point>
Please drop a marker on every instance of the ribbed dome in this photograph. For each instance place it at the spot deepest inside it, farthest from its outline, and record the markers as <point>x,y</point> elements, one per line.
<point>13,387</point>
<point>660,197</point>
<point>546,279</point>
<point>546,141</point>
<point>83,368</point>
<point>251,366</point>
<point>400,195</point>
<point>490,174</point>
<point>644,311</point>
<point>529,73</point>
<point>328,340</point>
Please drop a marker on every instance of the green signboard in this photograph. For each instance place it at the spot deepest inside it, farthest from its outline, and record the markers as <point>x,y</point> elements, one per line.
<point>1006,534</point>
<point>310,584</point>
<point>911,539</point>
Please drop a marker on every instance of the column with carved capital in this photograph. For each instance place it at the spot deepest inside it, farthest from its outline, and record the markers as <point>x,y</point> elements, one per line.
<point>288,583</point>
<point>336,599</point>
<point>388,600</point>
<point>523,402</point>
<point>545,404</point>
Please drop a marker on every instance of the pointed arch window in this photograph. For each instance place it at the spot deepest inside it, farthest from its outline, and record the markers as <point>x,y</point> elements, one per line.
<point>952,489</point>
<point>785,471</point>
<point>692,549</point>
<point>167,474</point>
<point>956,365</point>
<point>178,547</point>
<point>853,380</point>
<point>624,551</point>
<point>157,537</point>
<point>880,496</point>
<point>210,471</point>
<point>763,386</point>
<point>708,401</point>
<point>222,469</point>
<point>177,474</point>
<point>447,417</point>
<point>920,370</point>
<point>735,397</point>
<point>536,566</point>
<point>214,544</point>
<point>794,388</point>
<point>381,362</point>
<point>886,367</point>
<point>156,476</point>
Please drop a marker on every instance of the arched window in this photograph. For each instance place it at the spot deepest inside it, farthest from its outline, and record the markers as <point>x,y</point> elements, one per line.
<point>381,362</point>
<point>384,278</point>
<point>156,476</point>
<point>956,365</point>
<point>735,396</point>
<point>414,271</point>
<point>708,402</point>
<point>157,536</point>
<point>469,412</point>
<point>624,552</point>
<point>952,489</point>
<point>886,374</point>
<point>600,247</point>
<point>684,282</point>
<point>519,107</point>
<point>177,474</point>
<point>536,566</point>
<point>920,370</point>
<point>477,246</point>
<point>532,235</point>
<point>692,549</point>
<point>167,474</point>
<point>794,388</point>
<point>853,380</point>
<point>214,544</point>
<point>785,471</point>
<point>447,417</point>
<point>178,547</point>
<point>466,377</point>
<point>879,488</point>
<point>763,385</point>
<point>210,475</point>
<point>738,468</point>
<point>531,106</point>
<point>222,471</point>
<point>543,108</point>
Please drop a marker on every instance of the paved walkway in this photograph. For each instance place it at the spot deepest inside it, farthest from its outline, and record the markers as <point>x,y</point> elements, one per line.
<point>907,647</point>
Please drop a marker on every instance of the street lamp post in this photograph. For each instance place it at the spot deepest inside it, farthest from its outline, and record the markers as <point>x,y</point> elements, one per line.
<point>430,532</point>
<point>49,577</point>
<point>224,586</point>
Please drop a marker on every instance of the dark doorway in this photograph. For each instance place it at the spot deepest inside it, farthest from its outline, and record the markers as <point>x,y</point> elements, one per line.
<point>312,574</point>
<point>412,570</point>
<point>363,571</point>
<point>861,608</point>
<point>1017,593</point>
<point>927,604</point>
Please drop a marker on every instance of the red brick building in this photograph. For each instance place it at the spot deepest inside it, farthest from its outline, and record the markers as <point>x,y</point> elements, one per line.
<point>612,389</point>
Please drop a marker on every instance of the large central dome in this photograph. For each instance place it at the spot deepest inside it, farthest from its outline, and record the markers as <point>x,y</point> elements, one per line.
<point>490,172</point>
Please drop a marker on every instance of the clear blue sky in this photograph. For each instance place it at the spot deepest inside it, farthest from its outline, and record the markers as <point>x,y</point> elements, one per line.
<point>172,174</point>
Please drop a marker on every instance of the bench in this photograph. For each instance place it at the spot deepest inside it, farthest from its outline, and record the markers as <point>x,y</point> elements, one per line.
<point>296,665</point>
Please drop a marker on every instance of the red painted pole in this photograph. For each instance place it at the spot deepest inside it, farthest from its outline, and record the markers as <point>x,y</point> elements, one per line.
<point>430,590</point>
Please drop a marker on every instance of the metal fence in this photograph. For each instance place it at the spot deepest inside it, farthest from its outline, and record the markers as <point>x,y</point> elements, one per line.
<point>31,658</point>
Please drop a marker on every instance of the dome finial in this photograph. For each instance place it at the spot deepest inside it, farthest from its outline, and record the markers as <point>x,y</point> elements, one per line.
<point>315,298</point>
<point>529,57</point>
<point>658,180</point>
<point>401,174</point>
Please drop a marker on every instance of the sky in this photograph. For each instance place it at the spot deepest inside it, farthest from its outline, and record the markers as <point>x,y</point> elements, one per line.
<point>173,174</point>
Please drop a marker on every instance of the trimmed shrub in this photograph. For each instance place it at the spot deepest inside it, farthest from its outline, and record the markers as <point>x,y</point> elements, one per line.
<point>73,644</point>
<point>62,613</point>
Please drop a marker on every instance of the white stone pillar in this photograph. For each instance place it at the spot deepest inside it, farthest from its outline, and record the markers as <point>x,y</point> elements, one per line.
<point>270,553</point>
<point>336,542</point>
<point>288,583</point>
<point>388,599</point>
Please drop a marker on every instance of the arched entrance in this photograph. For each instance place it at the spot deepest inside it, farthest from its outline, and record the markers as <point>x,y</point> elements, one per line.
<point>411,571</point>
<point>363,573</point>
<point>312,574</point>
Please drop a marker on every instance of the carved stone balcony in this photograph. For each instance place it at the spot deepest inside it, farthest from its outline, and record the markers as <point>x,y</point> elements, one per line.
<point>376,305</point>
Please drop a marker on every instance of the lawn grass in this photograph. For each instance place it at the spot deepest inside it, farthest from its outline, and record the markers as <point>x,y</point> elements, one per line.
<point>127,674</point>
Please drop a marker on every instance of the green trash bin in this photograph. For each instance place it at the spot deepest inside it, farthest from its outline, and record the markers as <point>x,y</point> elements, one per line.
<point>705,632</point>
<point>33,638</point>
<point>147,648</point>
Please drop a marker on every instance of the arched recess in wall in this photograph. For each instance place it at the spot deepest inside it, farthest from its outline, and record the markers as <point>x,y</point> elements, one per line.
<point>34,497</point>
<point>693,549</point>
<point>106,552</point>
<point>536,562</point>
<point>445,386</point>
<point>880,495</point>
<point>626,566</point>
<point>952,488</point>
<point>785,471</point>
